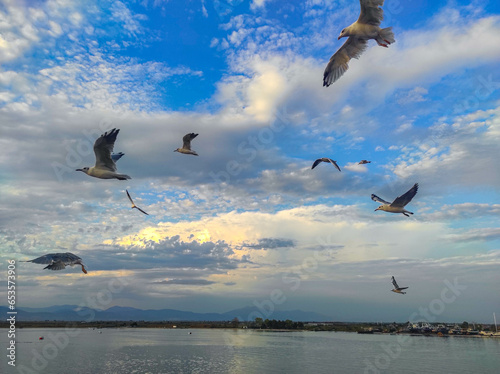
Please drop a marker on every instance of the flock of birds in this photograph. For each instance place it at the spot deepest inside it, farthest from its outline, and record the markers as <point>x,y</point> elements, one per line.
<point>366,27</point>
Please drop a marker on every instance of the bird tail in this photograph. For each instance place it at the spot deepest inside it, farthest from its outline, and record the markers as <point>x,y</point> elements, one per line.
<point>122,177</point>
<point>386,35</point>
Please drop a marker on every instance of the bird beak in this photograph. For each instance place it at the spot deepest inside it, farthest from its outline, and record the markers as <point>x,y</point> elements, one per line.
<point>79,170</point>
<point>339,37</point>
<point>376,209</point>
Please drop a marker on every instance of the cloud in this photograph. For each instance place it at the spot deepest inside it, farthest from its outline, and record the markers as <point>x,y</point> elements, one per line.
<point>130,21</point>
<point>257,4</point>
<point>186,282</point>
<point>489,233</point>
<point>270,243</point>
<point>414,95</point>
<point>442,155</point>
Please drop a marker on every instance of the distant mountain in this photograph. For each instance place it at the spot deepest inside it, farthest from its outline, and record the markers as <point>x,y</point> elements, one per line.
<point>118,313</point>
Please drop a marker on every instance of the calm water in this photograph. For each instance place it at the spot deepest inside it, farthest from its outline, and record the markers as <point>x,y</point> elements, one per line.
<point>241,351</point>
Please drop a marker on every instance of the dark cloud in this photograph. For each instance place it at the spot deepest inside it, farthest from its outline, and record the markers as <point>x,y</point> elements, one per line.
<point>270,243</point>
<point>168,253</point>
<point>186,282</point>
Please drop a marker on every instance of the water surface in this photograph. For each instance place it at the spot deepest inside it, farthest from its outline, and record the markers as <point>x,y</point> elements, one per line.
<point>155,351</point>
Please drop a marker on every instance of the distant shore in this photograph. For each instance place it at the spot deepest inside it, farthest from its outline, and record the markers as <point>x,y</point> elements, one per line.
<point>354,327</point>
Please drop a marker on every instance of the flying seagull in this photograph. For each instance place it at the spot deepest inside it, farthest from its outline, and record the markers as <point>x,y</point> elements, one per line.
<point>134,206</point>
<point>325,159</point>
<point>186,146</point>
<point>398,205</point>
<point>365,28</point>
<point>105,167</point>
<point>362,162</point>
<point>398,289</point>
<point>59,261</point>
<point>116,156</point>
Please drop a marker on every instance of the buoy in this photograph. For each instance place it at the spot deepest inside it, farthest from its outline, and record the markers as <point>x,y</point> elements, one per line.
<point>40,338</point>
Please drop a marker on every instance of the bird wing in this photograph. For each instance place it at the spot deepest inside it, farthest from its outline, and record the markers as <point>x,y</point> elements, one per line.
<point>334,164</point>
<point>402,288</point>
<point>316,163</point>
<point>339,62</point>
<point>379,200</point>
<point>139,209</point>
<point>57,265</point>
<point>370,13</point>
<point>103,147</point>
<point>67,257</point>
<point>133,205</point>
<point>45,259</point>
<point>132,201</point>
<point>187,140</point>
<point>394,283</point>
<point>404,199</point>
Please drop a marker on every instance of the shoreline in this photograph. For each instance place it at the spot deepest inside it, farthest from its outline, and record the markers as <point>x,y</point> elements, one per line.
<point>103,325</point>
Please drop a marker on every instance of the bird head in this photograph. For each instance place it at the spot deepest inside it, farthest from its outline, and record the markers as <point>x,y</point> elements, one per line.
<point>85,170</point>
<point>343,33</point>
<point>176,150</point>
<point>379,208</point>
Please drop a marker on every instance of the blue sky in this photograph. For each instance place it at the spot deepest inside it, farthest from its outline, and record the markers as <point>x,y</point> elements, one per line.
<point>248,215</point>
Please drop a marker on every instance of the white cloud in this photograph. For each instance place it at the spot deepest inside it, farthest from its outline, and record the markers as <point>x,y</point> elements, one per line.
<point>442,157</point>
<point>258,4</point>
<point>415,95</point>
<point>130,21</point>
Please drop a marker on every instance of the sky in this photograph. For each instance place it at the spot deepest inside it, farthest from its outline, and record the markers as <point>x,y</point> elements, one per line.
<point>248,223</point>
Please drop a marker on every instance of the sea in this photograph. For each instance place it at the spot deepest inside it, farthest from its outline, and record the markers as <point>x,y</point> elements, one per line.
<point>155,351</point>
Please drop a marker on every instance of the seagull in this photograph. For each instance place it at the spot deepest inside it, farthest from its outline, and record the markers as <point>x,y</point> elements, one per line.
<point>116,156</point>
<point>186,146</point>
<point>398,289</point>
<point>59,261</point>
<point>105,167</point>
<point>398,205</point>
<point>325,159</point>
<point>362,162</point>
<point>365,28</point>
<point>134,206</point>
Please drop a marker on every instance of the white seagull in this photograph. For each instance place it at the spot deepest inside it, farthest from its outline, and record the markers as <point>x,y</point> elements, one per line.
<point>186,146</point>
<point>325,159</point>
<point>365,28</point>
<point>105,167</point>
<point>59,261</point>
<point>398,289</point>
<point>135,206</point>
<point>398,205</point>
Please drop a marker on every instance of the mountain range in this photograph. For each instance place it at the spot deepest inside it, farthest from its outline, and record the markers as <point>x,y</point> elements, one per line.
<point>119,313</point>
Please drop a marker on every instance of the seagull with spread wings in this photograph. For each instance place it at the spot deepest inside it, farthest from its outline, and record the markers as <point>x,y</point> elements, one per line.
<point>186,145</point>
<point>398,205</point>
<point>366,27</point>
<point>398,289</point>
<point>325,159</point>
<point>59,261</point>
<point>135,206</point>
<point>105,167</point>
